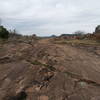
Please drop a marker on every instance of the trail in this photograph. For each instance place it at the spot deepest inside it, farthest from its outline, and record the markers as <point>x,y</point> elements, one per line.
<point>76,60</point>
<point>48,71</point>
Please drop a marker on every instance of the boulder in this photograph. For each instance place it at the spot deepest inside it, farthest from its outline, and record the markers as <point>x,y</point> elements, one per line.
<point>97,30</point>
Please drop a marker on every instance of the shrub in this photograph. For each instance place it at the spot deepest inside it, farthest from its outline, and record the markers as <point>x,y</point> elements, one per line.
<point>14,33</point>
<point>4,34</point>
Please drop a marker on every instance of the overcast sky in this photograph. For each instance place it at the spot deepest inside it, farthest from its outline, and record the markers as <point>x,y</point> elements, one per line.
<point>47,17</point>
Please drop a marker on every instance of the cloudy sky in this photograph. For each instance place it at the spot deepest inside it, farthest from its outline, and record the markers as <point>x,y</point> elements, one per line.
<point>47,17</point>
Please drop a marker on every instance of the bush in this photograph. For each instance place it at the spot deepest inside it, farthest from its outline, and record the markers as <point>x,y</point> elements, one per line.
<point>14,33</point>
<point>4,34</point>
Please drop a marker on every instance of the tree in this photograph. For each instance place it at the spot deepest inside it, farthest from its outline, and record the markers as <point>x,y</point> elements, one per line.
<point>14,33</point>
<point>4,34</point>
<point>79,33</point>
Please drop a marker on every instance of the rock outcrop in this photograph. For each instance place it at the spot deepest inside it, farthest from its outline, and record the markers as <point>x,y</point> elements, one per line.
<point>97,30</point>
<point>48,71</point>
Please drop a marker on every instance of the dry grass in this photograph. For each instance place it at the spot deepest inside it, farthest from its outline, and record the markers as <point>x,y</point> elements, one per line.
<point>76,41</point>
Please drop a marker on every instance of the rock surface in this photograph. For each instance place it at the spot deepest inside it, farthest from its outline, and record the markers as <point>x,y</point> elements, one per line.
<point>48,71</point>
<point>97,30</point>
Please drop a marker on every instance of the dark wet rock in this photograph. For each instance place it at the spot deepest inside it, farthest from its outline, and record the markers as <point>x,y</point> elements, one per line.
<point>20,96</point>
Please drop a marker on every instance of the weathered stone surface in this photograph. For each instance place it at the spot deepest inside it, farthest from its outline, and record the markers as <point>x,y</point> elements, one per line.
<point>47,71</point>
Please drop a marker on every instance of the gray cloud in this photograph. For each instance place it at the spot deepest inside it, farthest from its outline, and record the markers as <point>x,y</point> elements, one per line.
<point>46,17</point>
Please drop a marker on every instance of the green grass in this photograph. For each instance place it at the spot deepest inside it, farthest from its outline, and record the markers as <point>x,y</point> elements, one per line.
<point>36,62</point>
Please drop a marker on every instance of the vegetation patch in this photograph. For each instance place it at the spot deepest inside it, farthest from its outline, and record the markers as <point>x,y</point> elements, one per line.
<point>36,62</point>
<point>4,34</point>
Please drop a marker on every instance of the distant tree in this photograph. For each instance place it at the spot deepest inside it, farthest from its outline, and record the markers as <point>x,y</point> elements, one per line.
<point>14,33</point>
<point>4,34</point>
<point>79,33</point>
